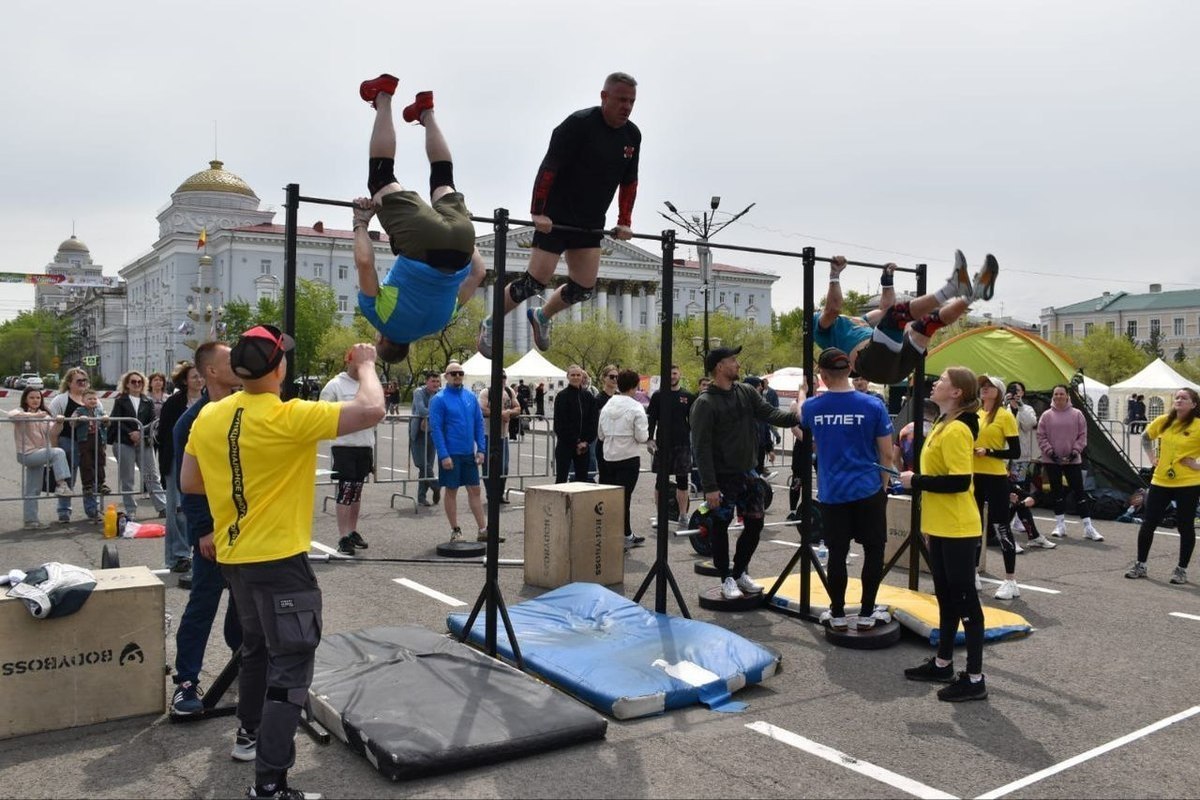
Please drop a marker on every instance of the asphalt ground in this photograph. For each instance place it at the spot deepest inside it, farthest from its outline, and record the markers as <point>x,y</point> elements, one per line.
<point>1102,700</point>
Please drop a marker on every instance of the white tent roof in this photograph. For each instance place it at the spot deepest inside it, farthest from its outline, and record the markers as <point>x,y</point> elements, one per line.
<point>1156,377</point>
<point>787,381</point>
<point>1094,389</point>
<point>534,365</point>
<point>477,365</point>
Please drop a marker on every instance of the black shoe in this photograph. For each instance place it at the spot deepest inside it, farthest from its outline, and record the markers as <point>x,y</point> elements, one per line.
<point>346,547</point>
<point>283,792</point>
<point>182,565</point>
<point>437,496</point>
<point>634,541</point>
<point>504,502</point>
<point>357,540</point>
<point>930,671</point>
<point>964,689</point>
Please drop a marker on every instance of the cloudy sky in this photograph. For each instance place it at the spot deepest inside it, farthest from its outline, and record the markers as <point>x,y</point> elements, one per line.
<point>1061,136</point>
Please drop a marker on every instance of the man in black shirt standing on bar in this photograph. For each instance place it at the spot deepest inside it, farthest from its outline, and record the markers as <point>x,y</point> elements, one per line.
<point>591,154</point>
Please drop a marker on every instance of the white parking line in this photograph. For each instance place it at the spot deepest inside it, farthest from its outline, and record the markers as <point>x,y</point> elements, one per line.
<point>849,762</point>
<point>1021,586</point>
<point>333,553</point>
<point>1181,615</point>
<point>425,590</point>
<point>1090,754</point>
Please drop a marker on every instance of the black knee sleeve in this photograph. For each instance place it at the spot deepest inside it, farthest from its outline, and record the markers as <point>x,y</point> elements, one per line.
<point>380,172</point>
<point>441,173</point>
<point>574,293</point>
<point>524,287</point>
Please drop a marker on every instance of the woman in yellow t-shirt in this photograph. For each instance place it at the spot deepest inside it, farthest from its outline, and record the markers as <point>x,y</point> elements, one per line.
<point>950,522</point>
<point>1176,477</point>
<point>998,440</point>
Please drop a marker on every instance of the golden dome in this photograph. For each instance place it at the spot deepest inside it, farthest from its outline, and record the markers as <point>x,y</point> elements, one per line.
<point>216,179</point>
<point>73,245</point>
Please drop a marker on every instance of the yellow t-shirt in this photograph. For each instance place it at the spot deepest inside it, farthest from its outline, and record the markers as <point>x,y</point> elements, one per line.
<point>947,451</point>
<point>994,436</point>
<point>258,456</point>
<point>1174,444</point>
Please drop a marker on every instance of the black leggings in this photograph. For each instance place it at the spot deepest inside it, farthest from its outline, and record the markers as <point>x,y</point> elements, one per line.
<point>622,473</point>
<point>1074,474</point>
<point>866,521</point>
<point>1157,500</point>
<point>993,490</point>
<point>564,458</point>
<point>952,562</point>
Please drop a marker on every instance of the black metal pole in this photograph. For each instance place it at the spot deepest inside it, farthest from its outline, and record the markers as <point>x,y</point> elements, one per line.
<point>292,208</point>
<point>496,432</point>
<point>918,417</point>
<point>809,256</point>
<point>666,414</point>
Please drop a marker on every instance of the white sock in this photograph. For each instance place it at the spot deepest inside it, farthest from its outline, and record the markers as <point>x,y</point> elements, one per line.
<point>946,293</point>
<point>1060,520</point>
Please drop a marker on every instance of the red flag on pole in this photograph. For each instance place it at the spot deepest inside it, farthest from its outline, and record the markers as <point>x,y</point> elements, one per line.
<point>203,239</point>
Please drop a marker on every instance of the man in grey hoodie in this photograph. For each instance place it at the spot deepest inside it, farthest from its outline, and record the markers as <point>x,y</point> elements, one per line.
<point>725,439</point>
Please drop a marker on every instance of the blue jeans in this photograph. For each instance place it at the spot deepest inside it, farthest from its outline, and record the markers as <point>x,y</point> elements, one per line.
<point>34,464</point>
<point>175,545</point>
<point>91,505</point>
<point>194,627</point>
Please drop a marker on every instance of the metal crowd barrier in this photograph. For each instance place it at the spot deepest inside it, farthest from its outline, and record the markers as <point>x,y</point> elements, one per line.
<point>531,456</point>
<point>33,478</point>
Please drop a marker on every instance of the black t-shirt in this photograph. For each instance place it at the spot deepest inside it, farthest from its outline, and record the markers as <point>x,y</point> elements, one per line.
<point>681,427</point>
<point>586,161</point>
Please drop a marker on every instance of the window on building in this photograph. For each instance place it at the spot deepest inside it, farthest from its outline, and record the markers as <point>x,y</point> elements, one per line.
<point>621,315</point>
<point>1111,327</point>
<point>721,299</point>
<point>1069,330</point>
<point>1131,329</point>
<point>737,298</point>
<point>676,293</point>
<point>264,267</point>
<point>1088,327</point>
<point>343,272</point>
<point>691,294</point>
<point>1154,328</point>
<point>343,303</point>
<point>1045,331</point>
<point>643,319</point>
<point>1177,326</point>
<point>318,269</point>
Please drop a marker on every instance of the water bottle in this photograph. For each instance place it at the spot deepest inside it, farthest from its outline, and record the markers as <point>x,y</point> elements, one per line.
<point>822,552</point>
<point>703,509</point>
<point>110,521</point>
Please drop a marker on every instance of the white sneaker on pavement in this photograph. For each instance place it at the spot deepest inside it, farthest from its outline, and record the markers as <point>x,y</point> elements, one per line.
<point>1042,542</point>
<point>1091,533</point>
<point>1008,590</point>
<point>747,585</point>
<point>730,590</point>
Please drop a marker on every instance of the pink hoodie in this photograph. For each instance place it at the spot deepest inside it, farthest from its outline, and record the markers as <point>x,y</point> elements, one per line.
<point>1061,433</point>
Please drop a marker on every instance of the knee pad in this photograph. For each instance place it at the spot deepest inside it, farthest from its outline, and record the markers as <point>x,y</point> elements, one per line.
<point>297,697</point>
<point>524,287</point>
<point>349,492</point>
<point>380,172</point>
<point>441,173</point>
<point>574,293</point>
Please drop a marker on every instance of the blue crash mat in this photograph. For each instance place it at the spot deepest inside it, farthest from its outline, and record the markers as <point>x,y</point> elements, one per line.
<point>415,703</point>
<point>624,660</point>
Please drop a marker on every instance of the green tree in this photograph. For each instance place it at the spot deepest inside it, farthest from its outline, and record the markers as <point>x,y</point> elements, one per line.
<point>240,316</point>
<point>37,337</point>
<point>1105,356</point>
<point>1180,355</point>
<point>1153,345</point>
<point>594,342</point>
<point>316,313</point>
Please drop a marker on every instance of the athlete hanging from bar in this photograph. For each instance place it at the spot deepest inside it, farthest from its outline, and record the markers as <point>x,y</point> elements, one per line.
<point>591,154</point>
<point>437,267</point>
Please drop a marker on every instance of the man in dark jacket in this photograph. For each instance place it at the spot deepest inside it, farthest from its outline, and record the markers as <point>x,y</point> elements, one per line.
<point>575,419</point>
<point>725,440</point>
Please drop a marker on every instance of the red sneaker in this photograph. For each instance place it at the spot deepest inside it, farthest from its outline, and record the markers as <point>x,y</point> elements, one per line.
<point>423,102</point>
<point>384,83</point>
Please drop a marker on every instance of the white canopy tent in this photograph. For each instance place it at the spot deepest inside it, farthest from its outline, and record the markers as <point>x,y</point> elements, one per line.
<point>533,368</point>
<point>1097,395</point>
<point>1157,381</point>
<point>786,381</point>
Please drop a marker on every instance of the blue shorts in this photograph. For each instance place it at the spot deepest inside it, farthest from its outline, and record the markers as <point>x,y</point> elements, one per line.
<point>464,472</point>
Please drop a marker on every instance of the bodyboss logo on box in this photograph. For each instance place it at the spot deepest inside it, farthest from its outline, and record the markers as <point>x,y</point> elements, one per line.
<point>131,653</point>
<point>599,525</point>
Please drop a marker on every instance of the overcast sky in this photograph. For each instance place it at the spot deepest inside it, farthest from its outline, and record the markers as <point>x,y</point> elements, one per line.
<point>1062,137</point>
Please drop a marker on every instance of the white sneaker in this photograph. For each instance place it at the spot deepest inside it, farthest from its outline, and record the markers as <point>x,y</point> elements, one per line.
<point>1059,532</point>
<point>747,585</point>
<point>881,614</point>
<point>837,623</point>
<point>730,590</point>
<point>1019,549</point>
<point>1008,590</point>
<point>1042,542</point>
<point>1091,533</point>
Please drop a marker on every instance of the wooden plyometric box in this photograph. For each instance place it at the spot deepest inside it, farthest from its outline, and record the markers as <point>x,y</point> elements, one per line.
<point>899,523</point>
<point>574,532</point>
<point>105,661</point>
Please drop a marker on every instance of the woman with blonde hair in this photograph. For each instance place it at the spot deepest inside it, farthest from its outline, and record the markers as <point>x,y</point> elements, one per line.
<point>1176,478</point>
<point>137,413</point>
<point>951,526</point>
<point>998,441</point>
<point>64,404</point>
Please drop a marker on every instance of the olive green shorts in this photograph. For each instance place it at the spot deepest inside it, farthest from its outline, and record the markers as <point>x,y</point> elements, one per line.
<point>441,235</point>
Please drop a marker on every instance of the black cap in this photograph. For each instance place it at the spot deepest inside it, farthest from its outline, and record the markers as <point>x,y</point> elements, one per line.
<point>753,380</point>
<point>259,350</point>
<point>833,358</point>
<point>719,354</point>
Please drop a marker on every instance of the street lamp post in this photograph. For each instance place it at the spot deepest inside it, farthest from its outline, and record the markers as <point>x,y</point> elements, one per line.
<point>703,227</point>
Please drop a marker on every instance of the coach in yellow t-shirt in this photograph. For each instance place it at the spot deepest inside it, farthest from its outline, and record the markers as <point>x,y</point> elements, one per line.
<point>254,456</point>
<point>1176,478</point>
<point>950,522</point>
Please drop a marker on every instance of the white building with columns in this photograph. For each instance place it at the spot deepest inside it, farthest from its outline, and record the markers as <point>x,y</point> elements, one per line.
<point>246,248</point>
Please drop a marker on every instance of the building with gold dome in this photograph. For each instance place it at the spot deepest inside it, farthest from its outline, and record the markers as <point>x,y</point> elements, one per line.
<point>73,261</point>
<point>174,291</point>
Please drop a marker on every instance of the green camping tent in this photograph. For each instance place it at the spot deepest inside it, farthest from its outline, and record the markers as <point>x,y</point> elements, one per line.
<point>1016,355</point>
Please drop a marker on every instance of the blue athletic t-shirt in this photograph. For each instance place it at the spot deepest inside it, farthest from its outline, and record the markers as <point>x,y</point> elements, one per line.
<point>415,300</point>
<point>845,334</point>
<point>844,427</point>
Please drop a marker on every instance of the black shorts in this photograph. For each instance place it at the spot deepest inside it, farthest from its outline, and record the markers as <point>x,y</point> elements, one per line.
<point>351,464</point>
<point>558,241</point>
<point>878,364</point>
<point>681,464</point>
<point>746,492</point>
<point>864,521</point>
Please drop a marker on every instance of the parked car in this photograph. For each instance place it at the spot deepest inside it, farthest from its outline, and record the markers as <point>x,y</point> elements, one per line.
<point>31,380</point>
